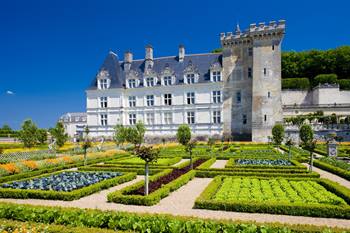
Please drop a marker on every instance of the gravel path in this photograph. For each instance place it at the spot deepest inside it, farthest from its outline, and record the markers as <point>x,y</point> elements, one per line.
<point>219,164</point>
<point>181,161</point>
<point>181,202</point>
<point>330,176</point>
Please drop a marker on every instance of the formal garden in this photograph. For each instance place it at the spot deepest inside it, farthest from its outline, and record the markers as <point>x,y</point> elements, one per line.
<point>183,186</point>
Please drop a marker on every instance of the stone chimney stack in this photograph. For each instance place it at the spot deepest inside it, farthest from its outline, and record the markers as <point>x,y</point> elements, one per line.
<point>127,60</point>
<point>149,57</point>
<point>181,53</point>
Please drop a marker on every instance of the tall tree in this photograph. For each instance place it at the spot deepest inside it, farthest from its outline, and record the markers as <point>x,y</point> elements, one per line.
<point>28,133</point>
<point>120,135</point>
<point>59,134</point>
<point>41,136</point>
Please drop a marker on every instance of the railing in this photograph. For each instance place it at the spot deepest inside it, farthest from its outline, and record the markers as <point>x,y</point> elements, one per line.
<point>302,106</point>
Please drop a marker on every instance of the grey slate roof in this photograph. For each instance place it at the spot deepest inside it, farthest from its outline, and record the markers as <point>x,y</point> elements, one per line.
<point>115,68</point>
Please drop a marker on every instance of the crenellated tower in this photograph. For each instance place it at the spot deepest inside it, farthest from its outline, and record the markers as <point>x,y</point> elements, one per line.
<point>252,80</point>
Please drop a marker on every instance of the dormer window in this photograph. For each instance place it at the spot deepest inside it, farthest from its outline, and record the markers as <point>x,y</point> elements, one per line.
<point>103,83</point>
<point>167,80</point>
<point>150,82</point>
<point>190,78</point>
<point>216,76</point>
<point>132,83</point>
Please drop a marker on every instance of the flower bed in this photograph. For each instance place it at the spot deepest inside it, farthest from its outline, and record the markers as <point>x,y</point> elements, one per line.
<point>64,181</point>
<point>291,196</point>
<point>264,162</point>
<point>66,185</point>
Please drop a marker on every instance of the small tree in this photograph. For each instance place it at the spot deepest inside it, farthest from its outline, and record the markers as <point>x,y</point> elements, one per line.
<point>41,136</point>
<point>210,144</point>
<point>28,133</point>
<point>135,135</point>
<point>149,155</point>
<point>189,149</point>
<point>306,134</point>
<point>289,143</point>
<point>120,134</point>
<point>59,134</point>
<point>278,134</point>
<point>86,144</point>
<point>183,134</point>
<point>310,146</point>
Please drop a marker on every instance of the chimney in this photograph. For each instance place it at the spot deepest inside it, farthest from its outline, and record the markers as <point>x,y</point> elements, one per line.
<point>149,56</point>
<point>181,53</point>
<point>127,60</point>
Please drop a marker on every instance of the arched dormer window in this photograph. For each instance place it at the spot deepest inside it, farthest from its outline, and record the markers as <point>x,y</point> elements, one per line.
<point>191,74</point>
<point>215,72</point>
<point>103,80</point>
<point>167,76</point>
<point>132,79</point>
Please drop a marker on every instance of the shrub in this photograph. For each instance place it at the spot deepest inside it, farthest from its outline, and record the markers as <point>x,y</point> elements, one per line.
<point>344,84</point>
<point>277,134</point>
<point>296,83</point>
<point>324,78</point>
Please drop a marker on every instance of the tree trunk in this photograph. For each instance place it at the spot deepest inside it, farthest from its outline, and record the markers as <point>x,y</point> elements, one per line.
<point>311,161</point>
<point>191,163</point>
<point>146,179</point>
<point>85,158</point>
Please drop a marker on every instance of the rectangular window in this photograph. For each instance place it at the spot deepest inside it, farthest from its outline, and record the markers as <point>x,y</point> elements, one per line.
<point>244,119</point>
<point>150,81</point>
<point>190,118</point>
<point>273,46</point>
<point>103,83</point>
<point>265,118</point>
<point>250,51</point>
<point>168,118</point>
<point>190,78</point>
<point>269,94</point>
<point>250,72</point>
<point>216,76</point>
<point>132,83</point>
<point>103,119</point>
<point>265,71</point>
<point>190,98</point>
<point>167,80</point>
<point>132,101</point>
<point>238,97</point>
<point>216,97</point>
<point>150,118</point>
<point>167,99</point>
<point>217,117</point>
<point>132,118</point>
<point>103,102</point>
<point>150,100</point>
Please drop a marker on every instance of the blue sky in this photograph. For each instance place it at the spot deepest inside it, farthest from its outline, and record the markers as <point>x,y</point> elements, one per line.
<point>51,50</point>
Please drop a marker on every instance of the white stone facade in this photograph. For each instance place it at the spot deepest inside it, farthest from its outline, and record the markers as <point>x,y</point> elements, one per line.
<point>74,123</point>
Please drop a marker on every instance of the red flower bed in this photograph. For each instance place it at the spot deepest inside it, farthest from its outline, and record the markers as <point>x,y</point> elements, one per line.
<point>153,186</point>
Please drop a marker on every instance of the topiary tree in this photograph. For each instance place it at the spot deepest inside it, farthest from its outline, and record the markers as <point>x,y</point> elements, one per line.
<point>86,144</point>
<point>183,136</point>
<point>135,135</point>
<point>189,149</point>
<point>28,133</point>
<point>310,146</point>
<point>120,135</point>
<point>278,134</point>
<point>59,134</point>
<point>210,144</point>
<point>306,134</point>
<point>149,155</point>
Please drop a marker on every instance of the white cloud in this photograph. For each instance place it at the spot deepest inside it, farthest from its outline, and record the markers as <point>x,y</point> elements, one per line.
<point>10,92</point>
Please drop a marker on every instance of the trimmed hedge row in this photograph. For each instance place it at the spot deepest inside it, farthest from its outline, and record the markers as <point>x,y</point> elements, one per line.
<point>296,83</point>
<point>122,196</point>
<point>17,226</point>
<point>138,171</point>
<point>141,222</point>
<point>210,173</point>
<point>204,201</point>
<point>332,169</point>
<point>66,196</point>
<point>170,162</point>
<point>296,166</point>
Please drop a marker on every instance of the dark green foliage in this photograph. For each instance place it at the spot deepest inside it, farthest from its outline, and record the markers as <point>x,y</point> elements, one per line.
<point>306,134</point>
<point>28,133</point>
<point>278,134</point>
<point>59,134</point>
<point>296,83</point>
<point>41,136</point>
<point>324,78</point>
<point>344,84</point>
<point>147,154</point>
